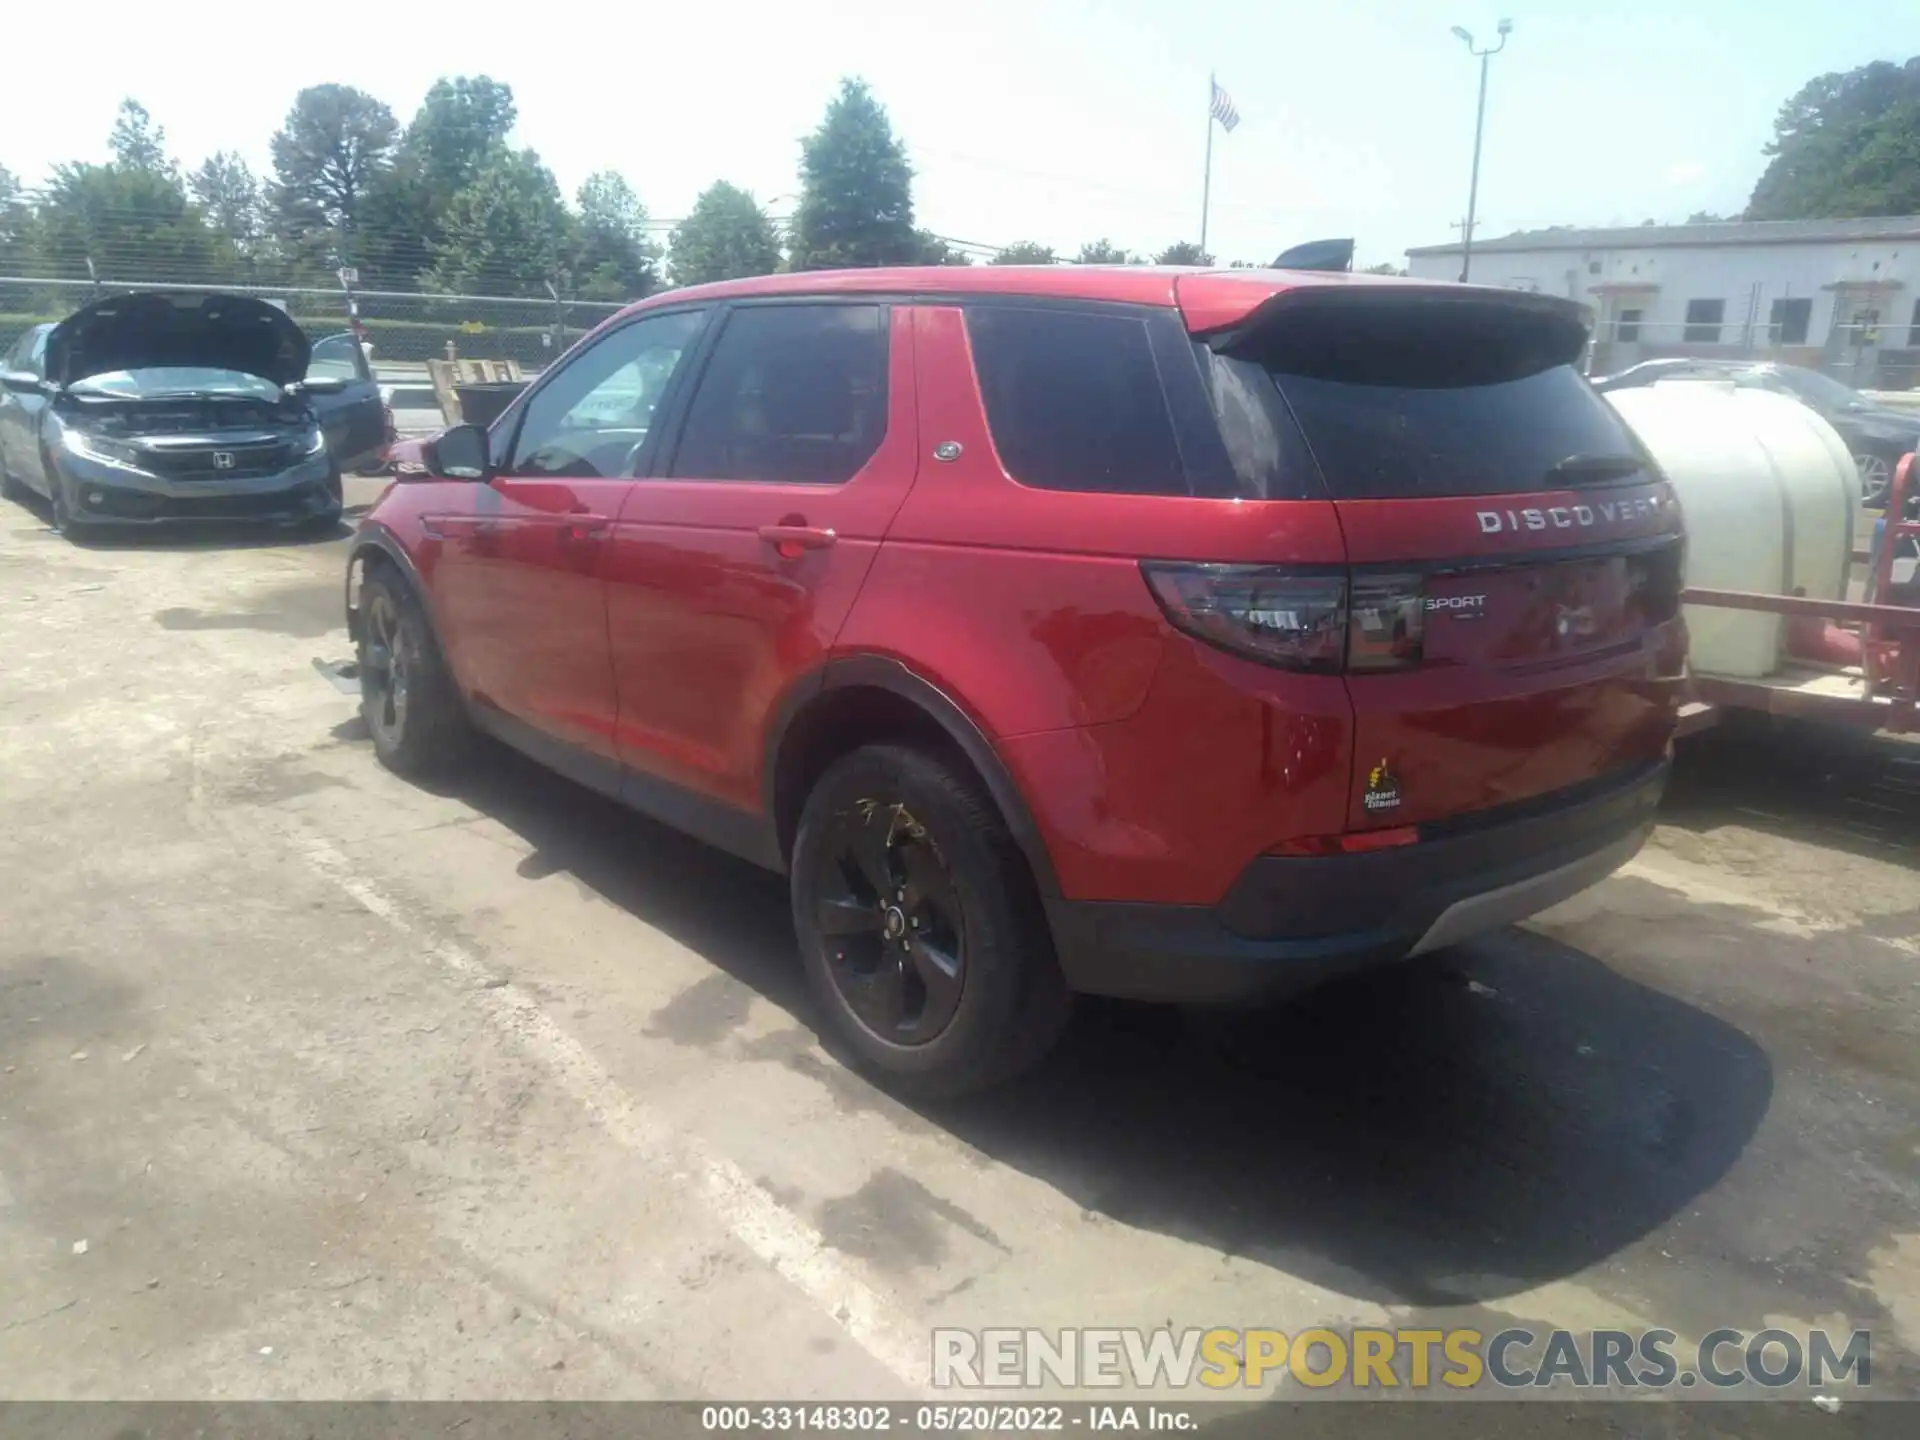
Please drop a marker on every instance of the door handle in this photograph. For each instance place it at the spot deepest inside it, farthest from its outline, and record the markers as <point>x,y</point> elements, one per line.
<point>791,540</point>
<point>451,527</point>
<point>582,528</point>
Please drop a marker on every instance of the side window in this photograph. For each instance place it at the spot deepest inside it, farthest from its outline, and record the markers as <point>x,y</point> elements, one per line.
<point>1074,400</point>
<point>595,412</point>
<point>794,394</point>
<point>338,357</point>
<point>37,353</point>
<point>1704,318</point>
<point>26,351</point>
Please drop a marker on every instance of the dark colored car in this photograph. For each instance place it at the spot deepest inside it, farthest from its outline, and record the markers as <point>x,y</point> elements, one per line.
<point>146,409</point>
<point>1172,635</point>
<point>1875,435</point>
<point>358,425</point>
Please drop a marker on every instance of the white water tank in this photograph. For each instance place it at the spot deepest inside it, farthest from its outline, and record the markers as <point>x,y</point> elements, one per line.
<point>1769,495</point>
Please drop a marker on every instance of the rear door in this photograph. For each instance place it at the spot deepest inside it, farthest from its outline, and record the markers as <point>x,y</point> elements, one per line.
<point>1514,556</point>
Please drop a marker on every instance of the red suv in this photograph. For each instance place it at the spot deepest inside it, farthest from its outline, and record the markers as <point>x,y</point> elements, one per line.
<point>1181,635</point>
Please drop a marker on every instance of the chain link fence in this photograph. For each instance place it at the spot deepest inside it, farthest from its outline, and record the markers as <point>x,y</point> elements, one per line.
<point>402,331</point>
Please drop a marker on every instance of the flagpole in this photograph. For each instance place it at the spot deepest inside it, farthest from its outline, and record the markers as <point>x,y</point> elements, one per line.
<point>1206,174</point>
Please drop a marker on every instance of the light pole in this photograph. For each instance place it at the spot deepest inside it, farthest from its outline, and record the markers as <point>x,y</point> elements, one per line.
<point>1479,126</point>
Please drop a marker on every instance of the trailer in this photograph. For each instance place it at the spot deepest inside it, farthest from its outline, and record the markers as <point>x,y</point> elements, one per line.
<point>1849,663</point>
<point>1781,620</point>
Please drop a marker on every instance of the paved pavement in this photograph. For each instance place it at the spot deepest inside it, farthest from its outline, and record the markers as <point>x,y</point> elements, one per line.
<point>317,1083</point>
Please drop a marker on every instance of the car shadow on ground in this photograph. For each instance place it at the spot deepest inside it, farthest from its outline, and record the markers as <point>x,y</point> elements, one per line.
<point>230,535</point>
<point>1450,1131</point>
<point>1819,784</point>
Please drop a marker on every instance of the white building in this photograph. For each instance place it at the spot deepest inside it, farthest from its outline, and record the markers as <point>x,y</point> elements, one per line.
<point>1838,295</point>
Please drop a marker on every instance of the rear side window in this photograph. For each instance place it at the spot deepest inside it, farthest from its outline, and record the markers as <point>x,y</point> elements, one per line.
<point>1074,400</point>
<point>793,393</point>
<point>1414,402</point>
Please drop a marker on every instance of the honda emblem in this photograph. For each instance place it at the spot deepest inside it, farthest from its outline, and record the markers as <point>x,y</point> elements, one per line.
<point>223,459</point>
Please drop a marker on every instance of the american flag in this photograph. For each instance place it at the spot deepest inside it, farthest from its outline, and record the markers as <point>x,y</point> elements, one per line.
<point>1222,108</point>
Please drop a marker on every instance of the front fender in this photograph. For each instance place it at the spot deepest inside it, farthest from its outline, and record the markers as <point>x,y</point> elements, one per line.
<point>374,538</point>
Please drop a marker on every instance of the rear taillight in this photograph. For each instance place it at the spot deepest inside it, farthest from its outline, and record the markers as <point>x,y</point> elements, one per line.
<point>1279,617</point>
<point>1658,578</point>
<point>1320,623</point>
<point>1388,624</point>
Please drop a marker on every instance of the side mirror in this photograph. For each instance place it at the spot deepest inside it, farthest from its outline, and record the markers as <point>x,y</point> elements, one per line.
<point>461,454</point>
<point>23,382</point>
<point>321,385</point>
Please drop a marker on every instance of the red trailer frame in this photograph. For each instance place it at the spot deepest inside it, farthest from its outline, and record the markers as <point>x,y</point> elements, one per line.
<point>1881,693</point>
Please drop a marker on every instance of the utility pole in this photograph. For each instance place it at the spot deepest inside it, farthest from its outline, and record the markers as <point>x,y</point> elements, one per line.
<point>1479,129</point>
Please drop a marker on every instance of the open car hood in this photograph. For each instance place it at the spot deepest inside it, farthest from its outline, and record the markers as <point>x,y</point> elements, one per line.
<point>156,329</point>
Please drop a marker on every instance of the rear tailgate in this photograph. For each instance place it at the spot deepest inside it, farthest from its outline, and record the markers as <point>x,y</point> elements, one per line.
<point>1515,559</point>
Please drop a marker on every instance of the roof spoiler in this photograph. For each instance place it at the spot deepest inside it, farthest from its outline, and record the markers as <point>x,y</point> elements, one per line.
<point>1317,255</point>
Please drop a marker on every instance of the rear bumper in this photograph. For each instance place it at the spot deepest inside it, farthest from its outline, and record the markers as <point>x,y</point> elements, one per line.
<point>1289,924</point>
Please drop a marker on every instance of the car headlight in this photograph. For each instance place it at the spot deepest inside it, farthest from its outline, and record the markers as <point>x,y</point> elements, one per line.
<point>315,442</point>
<point>98,448</point>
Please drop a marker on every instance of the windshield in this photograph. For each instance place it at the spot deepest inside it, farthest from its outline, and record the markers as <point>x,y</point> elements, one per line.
<point>1817,388</point>
<point>178,380</point>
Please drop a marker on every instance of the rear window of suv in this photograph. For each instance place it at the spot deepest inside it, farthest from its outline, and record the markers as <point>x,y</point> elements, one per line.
<point>1415,401</point>
<point>1074,400</point>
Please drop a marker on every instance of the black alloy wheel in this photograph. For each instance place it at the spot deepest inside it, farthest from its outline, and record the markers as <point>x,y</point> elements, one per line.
<point>413,709</point>
<point>385,671</point>
<point>891,922</point>
<point>920,925</point>
<point>57,502</point>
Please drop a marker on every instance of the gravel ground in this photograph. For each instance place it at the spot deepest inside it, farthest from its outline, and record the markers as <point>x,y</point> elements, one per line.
<point>319,1084</point>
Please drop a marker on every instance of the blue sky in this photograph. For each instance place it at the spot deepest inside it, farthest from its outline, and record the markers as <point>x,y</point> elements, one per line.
<point>1053,120</point>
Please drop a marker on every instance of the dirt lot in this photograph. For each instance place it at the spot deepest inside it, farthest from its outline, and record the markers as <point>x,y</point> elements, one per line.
<point>319,1084</point>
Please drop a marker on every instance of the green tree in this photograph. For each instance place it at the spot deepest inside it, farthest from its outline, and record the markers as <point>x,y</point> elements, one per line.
<point>228,195</point>
<point>856,189</point>
<point>507,232</point>
<point>1385,267</point>
<point>725,236</point>
<point>327,156</point>
<point>136,142</point>
<point>16,219</point>
<point>1024,252</point>
<point>935,251</point>
<point>1104,252</point>
<point>133,223</point>
<point>1183,253</point>
<point>459,129</point>
<point>1848,144</point>
<point>614,257</point>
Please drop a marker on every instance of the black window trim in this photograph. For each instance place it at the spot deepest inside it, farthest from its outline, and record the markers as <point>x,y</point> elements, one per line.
<point>659,465</point>
<point>516,413</point>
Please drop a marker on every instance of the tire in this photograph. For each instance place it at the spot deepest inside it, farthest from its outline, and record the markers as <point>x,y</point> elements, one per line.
<point>63,521</point>
<point>964,912</point>
<point>408,696</point>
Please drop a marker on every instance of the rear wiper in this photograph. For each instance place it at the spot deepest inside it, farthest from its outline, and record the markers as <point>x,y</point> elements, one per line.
<point>1591,469</point>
